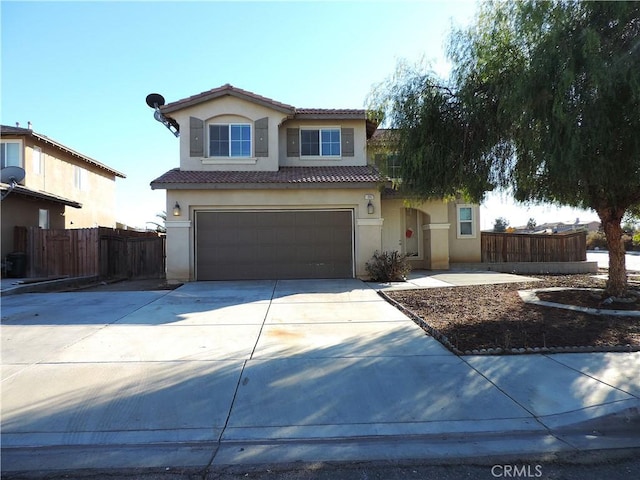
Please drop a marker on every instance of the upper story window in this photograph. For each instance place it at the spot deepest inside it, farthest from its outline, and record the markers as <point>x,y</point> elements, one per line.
<point>80,178</point>
<point>11,153</point>
<point>320,142</point>
<point>230,140</point>
<point>389,163</point>
<point>36,157</point>
<point>466,221</point>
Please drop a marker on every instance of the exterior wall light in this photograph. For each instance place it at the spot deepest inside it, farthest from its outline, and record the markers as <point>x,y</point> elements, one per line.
<point>176,210</point>
<point>370,208</point>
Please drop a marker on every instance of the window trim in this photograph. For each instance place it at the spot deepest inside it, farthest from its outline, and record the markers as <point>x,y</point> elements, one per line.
<point>319,130</point>
<point>36,160</point>
<point>229,125</point>
<point>20,150</point>
<point>459,221</point>
<point>80,178</point>
<point>44,218</point>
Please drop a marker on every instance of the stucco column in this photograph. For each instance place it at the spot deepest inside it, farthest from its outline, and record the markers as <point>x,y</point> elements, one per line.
<point>437,247</point>
<point>368,240</point>
<point>178,259</point>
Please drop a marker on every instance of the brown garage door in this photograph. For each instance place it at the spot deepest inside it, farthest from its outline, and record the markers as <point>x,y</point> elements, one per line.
<point>274,245</point>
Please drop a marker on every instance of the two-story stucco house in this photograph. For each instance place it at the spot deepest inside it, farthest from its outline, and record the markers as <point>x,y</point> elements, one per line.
<point>61,189</point>
<point>267,190</point>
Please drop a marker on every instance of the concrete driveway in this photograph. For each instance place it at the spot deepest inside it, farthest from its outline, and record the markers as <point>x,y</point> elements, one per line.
<point>274,371</point>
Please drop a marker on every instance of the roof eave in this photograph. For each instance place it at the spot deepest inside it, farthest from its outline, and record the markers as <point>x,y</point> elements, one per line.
<point>24,191</point>
<point>331,116</point>
<point>261,185</point>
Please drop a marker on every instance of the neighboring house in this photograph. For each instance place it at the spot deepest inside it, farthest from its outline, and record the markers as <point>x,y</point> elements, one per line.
<point>268,190</point>
<point>61,189</point>
<point>562,227</point>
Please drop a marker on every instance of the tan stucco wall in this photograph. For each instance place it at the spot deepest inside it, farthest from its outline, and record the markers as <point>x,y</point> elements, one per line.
<point>57,177</point>
<point>432,232</point>
<point>236,110</point>
<point>23,211</point>
<point>464,250</point>
<point>437,236</point>
<point>180,229</point>
<point>359,139</point>
<point>224,110</point>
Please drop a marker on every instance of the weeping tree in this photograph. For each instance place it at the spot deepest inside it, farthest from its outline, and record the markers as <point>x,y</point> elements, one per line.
<point>544,100</point>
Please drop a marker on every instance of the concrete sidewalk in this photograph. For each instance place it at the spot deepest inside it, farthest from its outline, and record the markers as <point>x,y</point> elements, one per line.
<point>221,373</point>
<point>450,278</point>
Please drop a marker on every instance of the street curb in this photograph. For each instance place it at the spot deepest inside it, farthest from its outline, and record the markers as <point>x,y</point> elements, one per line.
<point>433,450</point>
<point>49,285</point>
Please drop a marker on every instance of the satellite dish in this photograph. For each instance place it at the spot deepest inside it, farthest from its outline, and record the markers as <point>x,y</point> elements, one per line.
<point>155,100</point>
<point>12,175</point>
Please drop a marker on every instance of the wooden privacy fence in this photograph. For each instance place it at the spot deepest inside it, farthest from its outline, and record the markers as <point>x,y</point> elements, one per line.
<point>517,247</point>
<point>101,251</point>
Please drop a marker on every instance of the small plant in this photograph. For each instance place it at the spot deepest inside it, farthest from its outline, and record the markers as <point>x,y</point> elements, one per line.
<point>388,267</point>
<point>500,225</point>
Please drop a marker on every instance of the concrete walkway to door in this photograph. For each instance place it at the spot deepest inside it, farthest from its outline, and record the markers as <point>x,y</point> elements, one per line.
<point>221,373</point>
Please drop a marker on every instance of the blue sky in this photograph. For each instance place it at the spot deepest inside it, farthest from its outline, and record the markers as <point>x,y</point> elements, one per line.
<point>80,71</point>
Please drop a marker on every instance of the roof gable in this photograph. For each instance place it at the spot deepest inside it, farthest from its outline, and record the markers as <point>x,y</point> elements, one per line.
<point>290,110</point>
<point>226,90</point>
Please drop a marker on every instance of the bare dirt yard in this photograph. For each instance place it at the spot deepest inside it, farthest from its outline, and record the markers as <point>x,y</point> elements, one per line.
<point>495,317</point>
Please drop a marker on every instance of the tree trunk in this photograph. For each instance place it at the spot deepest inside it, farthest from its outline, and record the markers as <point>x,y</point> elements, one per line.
<point>611,223</point>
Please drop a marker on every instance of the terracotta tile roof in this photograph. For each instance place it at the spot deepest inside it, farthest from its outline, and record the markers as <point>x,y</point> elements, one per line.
<point>253,97</point>
<point>335,112</point>
<point>284,176</point>
<point>291,111</point>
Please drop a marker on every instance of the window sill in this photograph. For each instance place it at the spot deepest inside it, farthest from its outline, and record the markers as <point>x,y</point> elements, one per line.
<point>317,159</point>
<point>230,161</point>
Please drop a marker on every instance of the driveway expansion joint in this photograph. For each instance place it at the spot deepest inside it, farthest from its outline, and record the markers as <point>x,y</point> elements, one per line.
<point>384,390</point>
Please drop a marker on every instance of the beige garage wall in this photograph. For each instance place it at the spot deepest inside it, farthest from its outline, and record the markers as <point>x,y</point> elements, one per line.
<point>180,229</point>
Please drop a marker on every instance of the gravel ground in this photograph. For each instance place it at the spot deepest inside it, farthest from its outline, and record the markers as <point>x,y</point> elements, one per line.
<point>495,317</point>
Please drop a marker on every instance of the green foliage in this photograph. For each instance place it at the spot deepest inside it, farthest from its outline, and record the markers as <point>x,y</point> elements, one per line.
<point>500,225</point>
<point>596,241</point>
<point>430,137</point>
<point>388,267</point>
<point>562,81</point>
<point>636,241</point>
<point>627,241</point>
<point>544,99</point>
<point>632,216</point>
<point>531,224</point>
<point>161,227</point>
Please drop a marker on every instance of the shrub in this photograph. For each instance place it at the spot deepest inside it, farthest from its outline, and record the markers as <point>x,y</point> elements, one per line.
<point>596,240</point>
<point>627,241</point>
<point>500,225</point>
<point>388,267</point>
